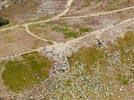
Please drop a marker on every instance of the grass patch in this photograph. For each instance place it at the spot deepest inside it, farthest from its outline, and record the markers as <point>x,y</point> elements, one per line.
<point>123,79</point>
<point>107,74</point>
<point>113,5</point>
<point>125,68</point>
<point>68,82</point>
<point>87,56</point>
<point>67,32</point>
<point>87,3</point>
<point>85,29</point>
<point>118,57</point>
<point>125,46</point>
<point>117,4</point>
<point>21,74</point>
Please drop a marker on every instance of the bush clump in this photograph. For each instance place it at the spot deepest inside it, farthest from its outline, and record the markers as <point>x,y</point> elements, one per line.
<point>3,21</point>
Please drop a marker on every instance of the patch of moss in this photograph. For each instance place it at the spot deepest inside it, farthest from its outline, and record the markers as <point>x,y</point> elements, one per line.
<point>21,74</point>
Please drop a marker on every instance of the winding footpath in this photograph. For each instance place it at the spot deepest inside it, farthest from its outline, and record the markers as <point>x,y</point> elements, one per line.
<point>100,14</point>
<point>63,13</point>
<point>60,51</point>
<point>97,33</point>
<point>37,37</point>
<point>17,55</point>
<point>68,5</point>
<point>62,47</point>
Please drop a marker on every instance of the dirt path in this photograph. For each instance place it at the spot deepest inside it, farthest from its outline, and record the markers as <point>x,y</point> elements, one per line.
<point>62,48</point>
<point>61,51</point>
<point>64,12</point>
<point>99,14</point>
<point>68,5</point>
<point>99,32</point>
<point>35,36</point>
<point>68,43</point>
<point>14,56</point>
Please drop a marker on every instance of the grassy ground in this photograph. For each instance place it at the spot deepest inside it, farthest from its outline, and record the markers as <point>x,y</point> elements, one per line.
<point>117,4</point>
<point>103,72</point>
<point>87,56</point>
<point>105,57</point>
<point>20,74</point>
<point>68,32</point>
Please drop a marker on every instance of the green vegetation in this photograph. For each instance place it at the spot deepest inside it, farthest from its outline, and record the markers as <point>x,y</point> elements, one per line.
<point>39,28</point>
<point>99,72</point>
<point>95,57</point>
<point>3,21</point>
<point>68,33</point>
<point>113,5</point>
<point>2,63</point>
<point>21,74</point>
<point>85,29</point>
<point>67,82</point>
<point>123,79</point>
<point>125,49</point>
<point>88,2</point>
<point>116,4</point>
<point>87,56</point>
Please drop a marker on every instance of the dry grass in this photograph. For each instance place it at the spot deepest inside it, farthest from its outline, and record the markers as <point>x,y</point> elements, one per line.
<point>17,41</point>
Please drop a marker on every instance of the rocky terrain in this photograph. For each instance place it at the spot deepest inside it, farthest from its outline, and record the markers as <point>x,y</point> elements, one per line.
<point>66,49</point>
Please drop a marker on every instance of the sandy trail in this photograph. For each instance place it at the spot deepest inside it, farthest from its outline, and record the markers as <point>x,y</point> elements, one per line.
<point>17,55</point>
<point>97,33</point>
<point>62,48</point>
<point>99,14</point>
<point>60,52</point>
<point>68,5</point>
<point>64,12</point>
<point>37,37</point>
